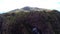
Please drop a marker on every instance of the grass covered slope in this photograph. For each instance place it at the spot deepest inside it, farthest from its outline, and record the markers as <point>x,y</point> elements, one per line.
<point>24,22</point>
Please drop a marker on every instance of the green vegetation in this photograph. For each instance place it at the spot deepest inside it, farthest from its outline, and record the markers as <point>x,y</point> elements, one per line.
<point>23,22</point>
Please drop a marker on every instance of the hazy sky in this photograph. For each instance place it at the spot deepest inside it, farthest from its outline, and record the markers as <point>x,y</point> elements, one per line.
<point>7,5</point>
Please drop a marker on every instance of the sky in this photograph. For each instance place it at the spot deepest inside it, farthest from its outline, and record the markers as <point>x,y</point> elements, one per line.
<point>7,5</point>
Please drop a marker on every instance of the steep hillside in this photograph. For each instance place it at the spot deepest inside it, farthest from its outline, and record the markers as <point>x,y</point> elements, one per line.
<point>30,22</point>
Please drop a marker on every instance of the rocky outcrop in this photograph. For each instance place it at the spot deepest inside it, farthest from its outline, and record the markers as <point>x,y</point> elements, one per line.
<point>34,22</point>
